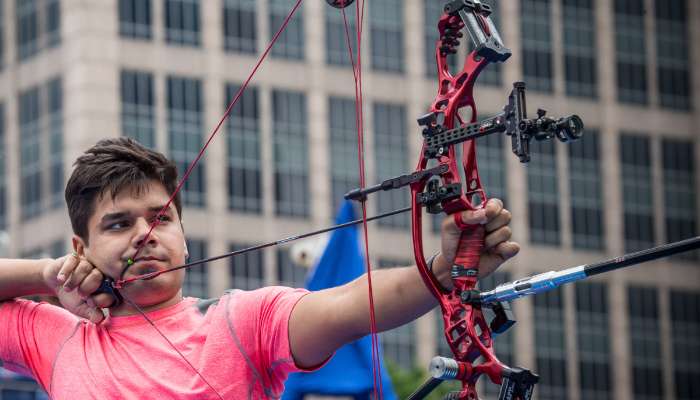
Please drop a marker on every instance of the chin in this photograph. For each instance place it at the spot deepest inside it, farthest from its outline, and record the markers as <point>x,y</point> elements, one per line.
<point>155,291</point>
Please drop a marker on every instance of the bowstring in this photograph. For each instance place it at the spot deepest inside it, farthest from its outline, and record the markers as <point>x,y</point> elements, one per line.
<point>186,175</point>
<point>359,123</point>
<point>182,356</point>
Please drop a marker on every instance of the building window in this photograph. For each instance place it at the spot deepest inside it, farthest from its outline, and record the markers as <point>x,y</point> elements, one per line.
<point>289,273</point>
<point>593,333</point>
<point>491,162</point>
<point>536,33</point>
<point>247,269</point>
<point>387,35</point>
<point>30,152</point>
<point>41,148</point>
<point>135,19</point>
<point>2,36</point>
<point>185,135</point>
<point>138,107</point>
<point>343,148</point>
<point>3,172</point>
<point>54,118</point>
<point>391,159</point>
<point>52,23</point>
<point>645,343</point>
<point>38,25</point>
<point>637,196</point>
<point>504,343</point>
<point>580,52</point>
<point>27,28</point>
<point>543,194</point>
<point>240,26</point>
<point>672,58</point>
<point>18,387</point>
<point>679,192</point>
<point>585,179</point>
<point>290,43</point>
<point>291,158</point>
<point>432,11</point>
<point>337,38</point>
<point>399,344</point>
<point>244,169</point>
<point>685,322</point>
<point>630,52</point>
<point>196,282</point>
<point>182,24</point>
<point>550,345</point>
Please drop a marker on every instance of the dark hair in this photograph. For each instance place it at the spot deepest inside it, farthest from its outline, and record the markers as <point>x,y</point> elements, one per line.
<point>109,167</point>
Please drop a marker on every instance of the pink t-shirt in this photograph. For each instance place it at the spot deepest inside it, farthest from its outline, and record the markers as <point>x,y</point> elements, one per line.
<point>238,342</point>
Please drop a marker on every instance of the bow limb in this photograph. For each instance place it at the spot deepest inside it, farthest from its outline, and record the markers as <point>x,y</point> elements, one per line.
<point>457,189</point>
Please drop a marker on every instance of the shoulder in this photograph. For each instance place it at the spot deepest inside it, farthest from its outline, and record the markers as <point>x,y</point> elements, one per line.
<point>270,296</point>
<point>249,303</point>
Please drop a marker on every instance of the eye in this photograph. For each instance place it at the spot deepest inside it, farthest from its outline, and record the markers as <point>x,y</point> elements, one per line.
<point>117,225</point>
<point>161,218</point>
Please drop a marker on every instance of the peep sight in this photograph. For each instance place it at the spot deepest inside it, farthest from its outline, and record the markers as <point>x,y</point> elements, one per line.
<point>340,3</point>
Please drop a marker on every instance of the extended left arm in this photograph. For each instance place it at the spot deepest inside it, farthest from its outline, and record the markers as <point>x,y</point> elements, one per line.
<point>325,320</point>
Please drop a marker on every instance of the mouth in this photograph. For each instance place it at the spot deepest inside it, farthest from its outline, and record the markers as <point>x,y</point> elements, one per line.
<point>148,265</point>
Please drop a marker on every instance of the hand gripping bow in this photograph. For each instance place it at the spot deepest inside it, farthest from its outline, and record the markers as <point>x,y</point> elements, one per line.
<point>447,187</point>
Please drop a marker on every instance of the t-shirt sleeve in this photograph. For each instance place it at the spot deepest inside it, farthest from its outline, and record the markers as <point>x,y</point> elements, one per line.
<point>262,317</point>
<point>32,335</point>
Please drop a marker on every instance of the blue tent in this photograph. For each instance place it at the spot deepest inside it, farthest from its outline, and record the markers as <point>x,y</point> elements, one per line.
<point>348,373</point>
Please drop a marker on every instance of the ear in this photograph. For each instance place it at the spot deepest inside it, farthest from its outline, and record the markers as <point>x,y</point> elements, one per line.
<point>187,252</point>
<point>79,245</point>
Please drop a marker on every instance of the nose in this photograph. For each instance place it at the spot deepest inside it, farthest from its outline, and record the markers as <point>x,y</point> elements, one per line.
<point>144,235</point>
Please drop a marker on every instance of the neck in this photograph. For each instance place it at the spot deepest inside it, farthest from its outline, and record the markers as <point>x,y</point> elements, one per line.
<point>126,309</point>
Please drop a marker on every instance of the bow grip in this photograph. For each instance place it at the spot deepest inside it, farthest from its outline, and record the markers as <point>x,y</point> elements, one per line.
<point>471,243</point>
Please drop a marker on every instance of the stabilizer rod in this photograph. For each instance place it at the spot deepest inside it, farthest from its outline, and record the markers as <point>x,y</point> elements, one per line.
<point>550,280</point>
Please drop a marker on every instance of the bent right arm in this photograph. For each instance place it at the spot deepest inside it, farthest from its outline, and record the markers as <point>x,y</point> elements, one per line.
<point>23,278</point>
<point>70,278</point>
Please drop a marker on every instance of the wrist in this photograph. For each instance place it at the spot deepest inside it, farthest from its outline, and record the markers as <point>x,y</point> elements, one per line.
<point>441,270</point>
<point>48,274</point>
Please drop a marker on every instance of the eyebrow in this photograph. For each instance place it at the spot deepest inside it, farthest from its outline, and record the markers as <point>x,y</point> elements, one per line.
<point>113,216</point>
<point>158,208</point>
<point>123,214</point>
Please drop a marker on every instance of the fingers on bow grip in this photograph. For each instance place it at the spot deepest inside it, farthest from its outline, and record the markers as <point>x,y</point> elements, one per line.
<point>471,243</point>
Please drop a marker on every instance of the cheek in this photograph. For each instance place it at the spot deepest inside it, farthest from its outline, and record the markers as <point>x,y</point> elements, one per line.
<point>107,252</point>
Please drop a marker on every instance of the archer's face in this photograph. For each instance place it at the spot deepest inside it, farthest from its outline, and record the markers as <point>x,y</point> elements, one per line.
<point>119,226</point>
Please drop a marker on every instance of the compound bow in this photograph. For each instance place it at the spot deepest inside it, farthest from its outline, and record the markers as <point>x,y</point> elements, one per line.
<point>451,188</point>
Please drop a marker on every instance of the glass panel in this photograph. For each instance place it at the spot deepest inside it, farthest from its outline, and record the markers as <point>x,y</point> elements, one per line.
<point>291,159</point>
<point>135,19</point>
<point>244,169</point>
<point>185,129</point>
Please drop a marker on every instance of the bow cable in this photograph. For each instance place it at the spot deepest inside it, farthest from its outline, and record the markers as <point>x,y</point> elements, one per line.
<point>359,124</point>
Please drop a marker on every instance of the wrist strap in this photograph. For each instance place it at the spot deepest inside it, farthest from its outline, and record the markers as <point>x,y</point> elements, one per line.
<point>430,262</point>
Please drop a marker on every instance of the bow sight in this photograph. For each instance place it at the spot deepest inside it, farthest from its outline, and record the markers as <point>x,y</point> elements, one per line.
<point>437,141</point>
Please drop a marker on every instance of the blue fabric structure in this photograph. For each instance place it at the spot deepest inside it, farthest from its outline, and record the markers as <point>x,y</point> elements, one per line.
<point>349,372</point>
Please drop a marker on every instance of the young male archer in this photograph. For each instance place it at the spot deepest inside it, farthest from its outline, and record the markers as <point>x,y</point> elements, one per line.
<point>241,345</point>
